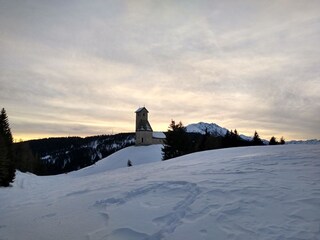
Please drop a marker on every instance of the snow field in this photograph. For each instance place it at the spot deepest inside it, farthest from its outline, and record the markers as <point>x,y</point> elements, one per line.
<point>268,192</point>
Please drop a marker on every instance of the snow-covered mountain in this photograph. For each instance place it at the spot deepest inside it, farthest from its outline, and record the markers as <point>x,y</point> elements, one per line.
<point>310,141</point>
<point>217,131</point>
<point>266,192</point>
<point>212,128</point>
<point>202,127</point>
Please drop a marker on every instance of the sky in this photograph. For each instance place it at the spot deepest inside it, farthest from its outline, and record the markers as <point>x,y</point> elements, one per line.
<point>82,68</point>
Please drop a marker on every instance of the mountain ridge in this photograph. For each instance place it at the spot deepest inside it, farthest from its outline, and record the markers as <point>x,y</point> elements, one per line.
<point>213,129</point>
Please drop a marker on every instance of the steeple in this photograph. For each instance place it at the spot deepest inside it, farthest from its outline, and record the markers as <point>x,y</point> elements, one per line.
<point>142,123</point>
<point>144,132</point>
<point>143,127</point>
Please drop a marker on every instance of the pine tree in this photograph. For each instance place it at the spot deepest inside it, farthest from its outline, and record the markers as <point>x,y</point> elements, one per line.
<point>228,139</point>
<point>129,163</point>
<point>282,141</point>
<point>256,140</point>
<point>204,141</point>
<point>7,167</point>
<point>273,141</point>
<point>176,142</point>
<point>4,163</point>
<point>234,138</point>
<point>25,159</point>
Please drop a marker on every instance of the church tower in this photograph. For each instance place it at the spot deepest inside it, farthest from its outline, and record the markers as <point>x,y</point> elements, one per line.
<point>143,127</point>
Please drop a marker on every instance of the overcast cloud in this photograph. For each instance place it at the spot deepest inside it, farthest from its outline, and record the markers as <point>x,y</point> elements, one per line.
<point>83,67</point>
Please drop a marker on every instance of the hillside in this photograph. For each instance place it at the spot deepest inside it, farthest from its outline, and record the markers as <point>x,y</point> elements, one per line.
<point>269,192</point>
<point>136,154</point>
<point>65,154</point>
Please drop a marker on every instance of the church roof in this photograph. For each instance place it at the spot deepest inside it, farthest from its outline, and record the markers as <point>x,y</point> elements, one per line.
<point>140,109</point>
<point>144,125</point>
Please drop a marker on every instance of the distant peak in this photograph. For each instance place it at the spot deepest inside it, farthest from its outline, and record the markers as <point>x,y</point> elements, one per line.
<point>202,127</point>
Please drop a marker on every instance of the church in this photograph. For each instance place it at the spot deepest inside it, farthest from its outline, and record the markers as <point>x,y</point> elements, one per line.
<point>144,133</point>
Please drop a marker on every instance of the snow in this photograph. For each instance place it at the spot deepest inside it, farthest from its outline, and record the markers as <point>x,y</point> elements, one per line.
<point>310,141</point>
<point>201,127</point>
<point>160,135</point>
<point>47,157</point>
<point>215,130</point>
<point>244,137</point>
<point>267,192</point>
<point>140,109</point>
<point>136,154</point>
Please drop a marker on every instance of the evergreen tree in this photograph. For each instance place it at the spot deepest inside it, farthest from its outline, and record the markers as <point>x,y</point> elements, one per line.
<point>25,160</point>
<point>256,140</point>
<point>7,167</point>
<point>4,163</point>
<point>273,141</point>
<point>282,141</point>
<point>129,163</point>
<point>204,141</point>
<point>232,139</point>
<point>176,142</point>
<point>236,139</point>
<point>226,139</point>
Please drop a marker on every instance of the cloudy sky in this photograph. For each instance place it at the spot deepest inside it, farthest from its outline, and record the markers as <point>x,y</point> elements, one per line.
<point>82,68</point>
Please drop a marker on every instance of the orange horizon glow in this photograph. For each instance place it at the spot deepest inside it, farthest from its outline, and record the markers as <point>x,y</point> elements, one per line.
<point>264,134</point>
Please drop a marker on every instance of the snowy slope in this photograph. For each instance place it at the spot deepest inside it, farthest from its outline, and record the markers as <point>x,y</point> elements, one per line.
<point>268,192</point>
<point>136,154</point>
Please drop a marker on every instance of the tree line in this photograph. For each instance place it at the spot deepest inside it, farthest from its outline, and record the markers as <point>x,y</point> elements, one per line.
<point>179,142</point>
<point>51,156</point>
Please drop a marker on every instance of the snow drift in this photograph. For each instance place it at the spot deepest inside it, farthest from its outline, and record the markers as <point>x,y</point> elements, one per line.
<point>268,192</point>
